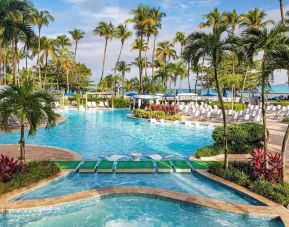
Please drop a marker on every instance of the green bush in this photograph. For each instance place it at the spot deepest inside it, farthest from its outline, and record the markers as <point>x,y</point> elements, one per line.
<point>228,105</point>
<point>241,137</point>
<point>232,174</point>
<point>157,114</point>
<point>209,151</point>
<point>36,171</point>
<point>119,103</point>
<point>278,192</point>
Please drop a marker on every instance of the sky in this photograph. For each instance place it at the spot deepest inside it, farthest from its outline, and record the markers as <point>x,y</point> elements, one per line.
<point>181,15</point>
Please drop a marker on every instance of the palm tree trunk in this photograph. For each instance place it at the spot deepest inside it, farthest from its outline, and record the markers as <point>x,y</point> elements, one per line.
<point>145,57</point>
<point>38,56</point>
<point>189,77</point>
<point>75,50</point>
<point>284,151</point>
<point>202,84</point>
<point>244,82</point>
<point>224,117</point>
<point>15,79</point>
<point>264,119</point>
<point>282,12</point>
<point>22,142</point>
<point>153,56</point>
<point>26,58</point>
<point>140,67</point>
<point>45,76</point>
<point>67,81</point>
<point>120,51</point>
<point>103,62</point>
<point>175,92</point>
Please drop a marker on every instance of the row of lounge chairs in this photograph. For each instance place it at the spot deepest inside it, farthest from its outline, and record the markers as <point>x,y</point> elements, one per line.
<point>162,166</point>
<point>94,105</point>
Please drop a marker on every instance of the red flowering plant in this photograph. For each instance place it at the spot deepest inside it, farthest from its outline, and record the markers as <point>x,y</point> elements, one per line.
<point>9,166</point>
<point>169,110</point>
<point>258,164</point>
<point>274,168</point>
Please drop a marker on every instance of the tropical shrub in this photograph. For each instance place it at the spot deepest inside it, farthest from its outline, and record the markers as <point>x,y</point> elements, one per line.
<point>119,103</point>
<point>241,137</point>
<point>35,171</point>
<point>173,117</point>
<point>228,105</point>
<point>169,110</point>
<point>275,173</point>
<point>157,114</point>
<point>9,166</point>
<point>209,151</point>
<point>258,164</point>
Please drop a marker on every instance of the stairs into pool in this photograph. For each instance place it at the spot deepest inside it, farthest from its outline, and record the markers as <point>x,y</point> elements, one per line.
<point>163,166</point>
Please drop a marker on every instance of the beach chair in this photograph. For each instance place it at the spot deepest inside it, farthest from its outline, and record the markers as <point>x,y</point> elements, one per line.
<point>89,105</point>
<point>93,104</point>
<point>112,157</point>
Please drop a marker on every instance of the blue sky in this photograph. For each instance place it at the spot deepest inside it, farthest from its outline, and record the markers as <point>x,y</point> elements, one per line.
<point>182,15</point>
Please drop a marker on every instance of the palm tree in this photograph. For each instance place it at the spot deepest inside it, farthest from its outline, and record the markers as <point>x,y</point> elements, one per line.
<point>76,35</point>
<point>123,34</point>
<point>255,19</point>
<point>214,19</point>
<point>213,46</point>
<point>278,58</point>
<point>47,49</point>
<point>14,23</point>
<point>66,60</point>
<point>140,45</point>
<point>233,19</point>
<point>62,41</point>
<point>282,11</point>
<point>107,31</point>
<point>165,51</point>
<point>178,71</point>
<point>122,67</point>
<point>264,40</point>
<point>30,106</point>
<point>41,18</point>
<point>156,17</point>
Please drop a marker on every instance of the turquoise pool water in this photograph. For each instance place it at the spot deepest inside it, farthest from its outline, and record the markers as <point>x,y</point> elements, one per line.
<point>106,133</point>
<point>188,183</point>
<point>130,211</point>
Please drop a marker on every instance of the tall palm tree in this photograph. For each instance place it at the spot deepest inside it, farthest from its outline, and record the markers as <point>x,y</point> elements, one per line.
<point>213,46</point>
<point>213,19</point>
<point>40,19</point>
<point>264,40</point>
<point>156,17</point>
<point>122,67</point>
<point>15,22</point>
<point>76,35</point>
<point>179,72</point>
<point>278,58</point>
<point>165,51</point>
<point>62,41</point>
<point>282,11</point>
<point>255,19</point>
<point>123,34</point>
<point>233,19</point>
<point>30,106</point>
<point>140,45</point>
<point>107,31</point>
<point>47,49</point>
<point>66,60</point>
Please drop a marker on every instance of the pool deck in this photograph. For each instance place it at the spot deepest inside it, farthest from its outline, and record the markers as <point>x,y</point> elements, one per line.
<point>270,209</point>
<point>40,153</point>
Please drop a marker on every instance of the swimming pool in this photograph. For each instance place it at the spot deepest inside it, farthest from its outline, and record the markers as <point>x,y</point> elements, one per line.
<point>188,183</point>
<point>131,210</point>
<point>105,133</point>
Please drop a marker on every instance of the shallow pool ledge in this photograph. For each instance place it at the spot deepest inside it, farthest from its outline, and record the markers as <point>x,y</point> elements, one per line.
<point>268,211</point>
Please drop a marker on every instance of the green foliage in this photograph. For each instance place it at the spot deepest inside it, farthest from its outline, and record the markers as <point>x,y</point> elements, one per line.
<point>241,173</point>
<point>119,103</point>
<point>36,171</point>
<point>241,137</point>
<point>235,175</point>
<point>228,105</point>
<point>285,120</point>
<point>157,114</point>
<point>173,118</point>
<point>209,151</point>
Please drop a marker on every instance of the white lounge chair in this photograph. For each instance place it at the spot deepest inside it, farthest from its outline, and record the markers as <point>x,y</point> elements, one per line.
<point>136,156</point>
<point>113,157</point>
<point>158,157</point>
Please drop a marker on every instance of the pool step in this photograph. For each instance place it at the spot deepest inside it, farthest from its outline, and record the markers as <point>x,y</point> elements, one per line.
<point>164,166</point>
<point>88,167</point>
<point>68,165</point>
<point>135,167</point>
<point>105,166</point>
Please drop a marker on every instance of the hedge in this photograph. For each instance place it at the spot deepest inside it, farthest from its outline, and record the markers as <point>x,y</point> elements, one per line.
<point>119,103</point>
<point>209,151</point>
<point>36,171</point>
<point>228,105</point>
<point>241,137</point>
<point>240,173</point>
<point>157,114</point>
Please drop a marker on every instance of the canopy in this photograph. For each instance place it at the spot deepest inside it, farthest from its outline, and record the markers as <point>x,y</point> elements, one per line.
<point>145,97</point>
<point>169,95</point>
<point>131,94</point>
<point>209,94</point>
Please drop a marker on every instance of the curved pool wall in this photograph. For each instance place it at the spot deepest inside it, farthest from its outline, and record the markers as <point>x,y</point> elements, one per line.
<point>94,133</point>
<point>131,210</point>
<point>189,183</point>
